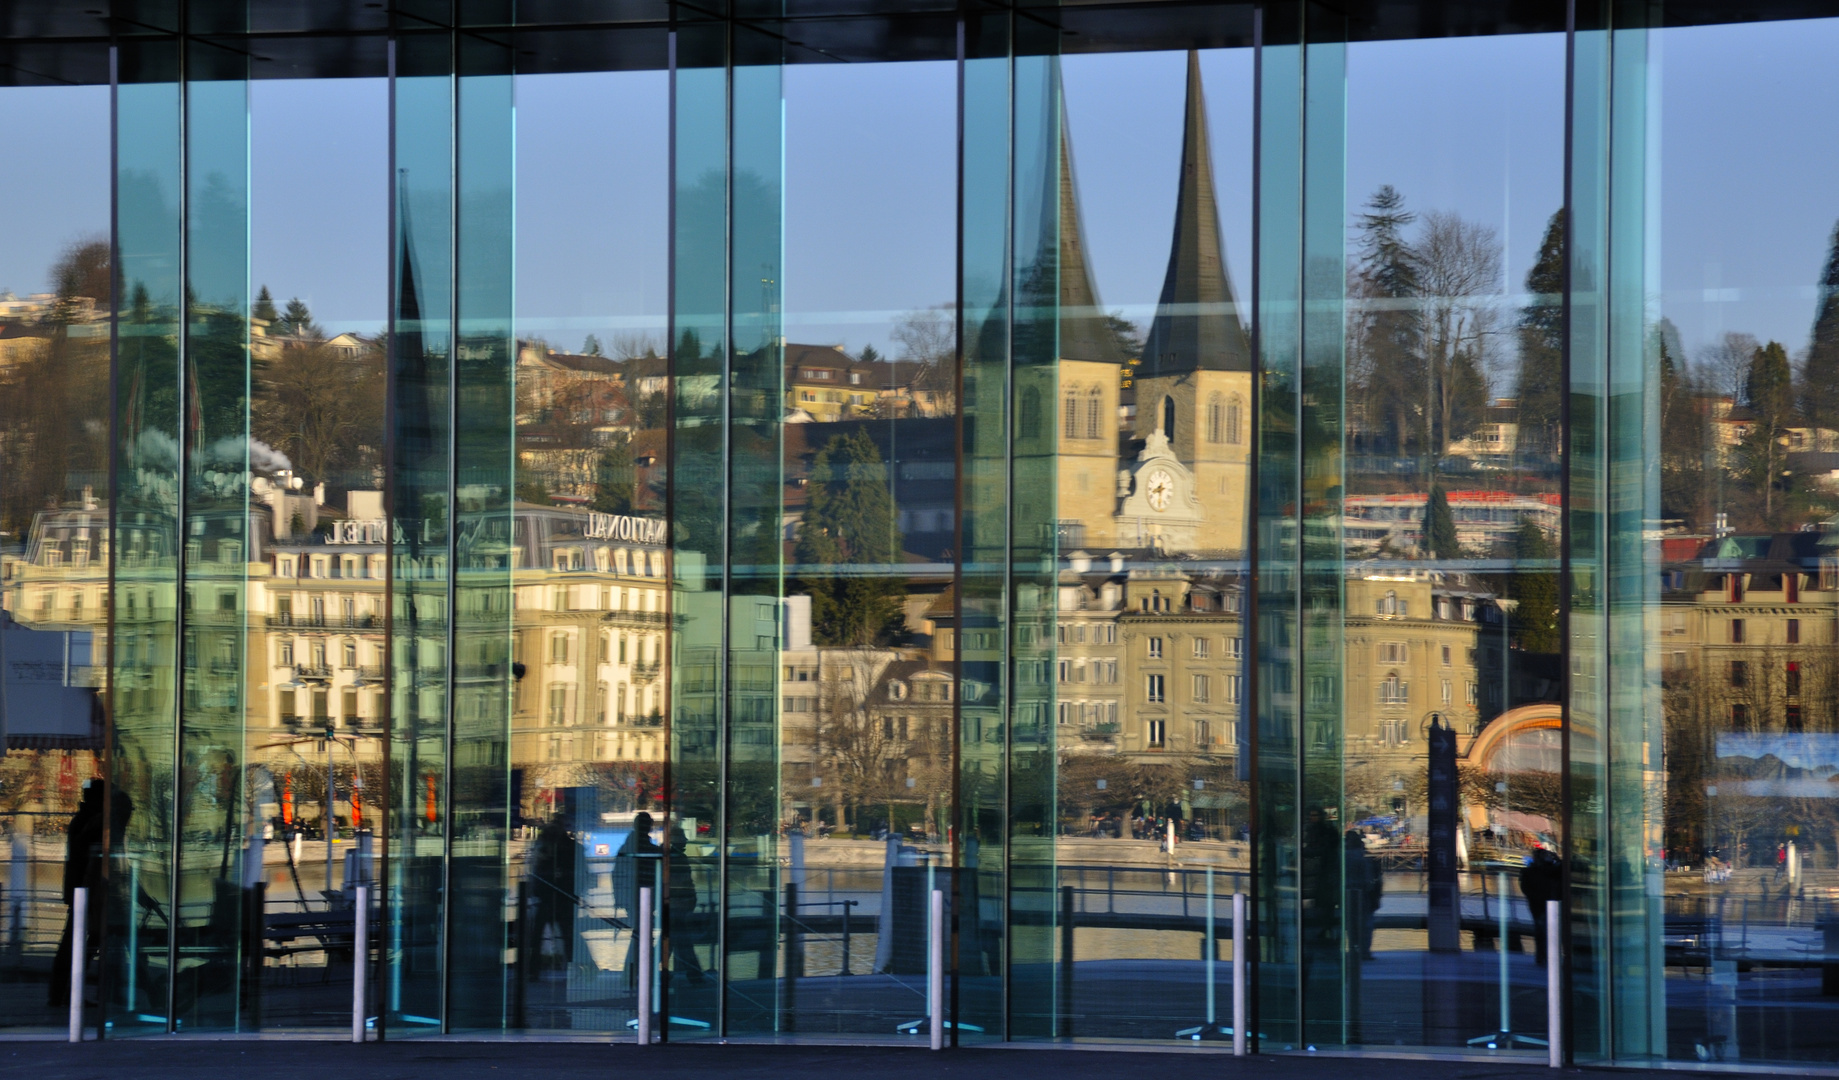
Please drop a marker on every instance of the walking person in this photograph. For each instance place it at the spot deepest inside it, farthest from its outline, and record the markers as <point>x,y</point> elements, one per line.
<point>1542,880</point>
<point>635,867</point>
<point>1364,886</point>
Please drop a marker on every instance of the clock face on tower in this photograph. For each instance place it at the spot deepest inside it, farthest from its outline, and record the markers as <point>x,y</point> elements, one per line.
<point>1160,489</point>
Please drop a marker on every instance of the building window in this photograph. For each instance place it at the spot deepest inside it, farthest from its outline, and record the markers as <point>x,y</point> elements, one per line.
<point>1202,647</point>
<point>1394,691</point>
<point>1739,716</point>
<point>1392,652</point>
<point>1394,732</point>
<point>1390,606</point>
<point>1070,426</point>
<point>1203,686</point>
<point>1095,407</point>
<point>1154,688</point>
<point>1158,732</point>
<point>1235,689</point>
<point>1793,675</point>
<point>1448,692</point>
<point>558,648</point>
<point>1446,655</point>
<point>1235,648</point>
<point>1794,631</point>
<point>1155,648</point>
<point>1235,424</point>
<point>1736,631</point>
<point>1739,672</point>
<point>1216,419</point>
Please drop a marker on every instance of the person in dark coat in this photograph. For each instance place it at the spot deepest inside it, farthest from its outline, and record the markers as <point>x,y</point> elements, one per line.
<point>552,871</point>
<point>82,868</point>
<point>1321,892</point>
<point>682,900</point>
<point>1364,885</point>
<point>635,867</point>
<point>1540,881</point>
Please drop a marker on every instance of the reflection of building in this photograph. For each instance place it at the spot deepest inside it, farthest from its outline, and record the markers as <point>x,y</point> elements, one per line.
<point>1486,521</point>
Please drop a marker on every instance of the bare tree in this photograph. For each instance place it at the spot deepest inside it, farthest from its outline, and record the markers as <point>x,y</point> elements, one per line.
<point>1459,272</point>
<point>929,337</point>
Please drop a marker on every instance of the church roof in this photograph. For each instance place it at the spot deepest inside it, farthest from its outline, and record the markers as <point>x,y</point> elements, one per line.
<point>1197,326</point>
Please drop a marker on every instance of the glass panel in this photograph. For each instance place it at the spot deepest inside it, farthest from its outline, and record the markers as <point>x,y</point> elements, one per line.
<point>214,899</point>
<point>588,752</point>
<point>866,682</point>
<point>418,498</point>
<point>319,256</point>
<point>54,536</point>
<point>1148,424</point>
<point>480,614</point>
<point>755,370</point>
<point>1731,861</point>
<point>976,631</point>
<point>695,487</point>
<point>147,430</point>
<point>1447,814</point>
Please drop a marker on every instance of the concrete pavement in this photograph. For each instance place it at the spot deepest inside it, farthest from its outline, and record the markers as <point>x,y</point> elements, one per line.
<point>447,1059</point>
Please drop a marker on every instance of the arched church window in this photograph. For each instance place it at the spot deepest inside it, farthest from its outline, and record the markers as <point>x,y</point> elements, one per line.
<point>1168,418</point>
<point>1235,420</point>
<point>1094,412</point>
<point>1070,424</point>
<point>1216,419</point>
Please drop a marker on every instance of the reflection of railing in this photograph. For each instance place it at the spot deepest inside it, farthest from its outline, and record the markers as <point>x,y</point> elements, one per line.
<point>326,622</point>
<point>645,673</point>
<point>638,618</point>
<point>313,671</point>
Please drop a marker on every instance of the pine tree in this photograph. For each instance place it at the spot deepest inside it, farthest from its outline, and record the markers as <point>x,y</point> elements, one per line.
<point>849,522</point>
<point>1768,389</point>
<point>1440,527</point>
<point>264,307</point>
<point>297,320</point>
<point>1682,431</point>
<point>1535,592</point>
<point>1821,372</point>
<point>1541,389</point>
<point>1391,333</point>
<point>591,346</point>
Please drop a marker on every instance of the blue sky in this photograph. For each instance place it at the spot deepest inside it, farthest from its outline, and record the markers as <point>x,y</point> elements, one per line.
<point>1743,146</point>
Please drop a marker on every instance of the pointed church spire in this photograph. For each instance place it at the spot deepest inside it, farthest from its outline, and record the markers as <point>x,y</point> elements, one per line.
<point>1197,323</point>
<point>1085,331</point>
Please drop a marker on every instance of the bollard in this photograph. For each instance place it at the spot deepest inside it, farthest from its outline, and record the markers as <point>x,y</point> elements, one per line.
<point>360,963</point>
<point>79,944</point>
<point>1554,996</point>
<point>935,971</point>
<point>644,972</point>
<point>1238,975</point>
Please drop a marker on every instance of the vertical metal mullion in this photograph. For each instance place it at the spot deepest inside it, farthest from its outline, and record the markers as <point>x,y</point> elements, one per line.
<point>1250,662</point>
<point>723,654</point>
<point>957,510</point>
<point>1006,641</point>
<point>453,563</point>
<point>390,397</point>
<point>672,683</point>
<point>114,502</point>
<point>179,605</point>
<point>1565,570</point>
<point>1299,466</point>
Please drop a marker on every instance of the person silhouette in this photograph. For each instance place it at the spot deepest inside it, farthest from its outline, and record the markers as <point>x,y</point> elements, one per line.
<point>82,868</point>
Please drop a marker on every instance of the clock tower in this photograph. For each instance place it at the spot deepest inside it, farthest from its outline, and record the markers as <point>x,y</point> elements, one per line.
<point>1158,507</point>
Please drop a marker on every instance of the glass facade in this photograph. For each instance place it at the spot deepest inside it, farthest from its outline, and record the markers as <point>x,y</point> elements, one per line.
<point>551,469</point>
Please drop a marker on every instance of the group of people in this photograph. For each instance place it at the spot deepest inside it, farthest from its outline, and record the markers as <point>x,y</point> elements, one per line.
<point>553,897</point>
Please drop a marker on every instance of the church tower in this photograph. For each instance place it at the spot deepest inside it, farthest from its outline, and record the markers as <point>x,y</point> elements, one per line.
<point>1194,385</point>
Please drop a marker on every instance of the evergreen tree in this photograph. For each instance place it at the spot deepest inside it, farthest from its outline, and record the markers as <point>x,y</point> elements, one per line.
<point>869,354</point>
<point>849,522</point>
<point>1768,389</point>
<point>613,480</point>
<point>1820,386</point>
<point>1541,332</point>
<point>264,307</point>
<point>1440,527</point>
<point>1534,626</point>
<point>297,320</point>
<point>1391,333</point>
<point>591,347</point>
<point>1682,431</point>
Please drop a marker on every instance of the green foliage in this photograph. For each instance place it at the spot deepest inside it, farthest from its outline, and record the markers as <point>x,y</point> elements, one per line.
<point>1768,388</point>
<point>591,346</point>
<point>297,320</point>
<point>533,491</point>
<point>1391,335</point>
<point>1541,331</point>
<point>1534,626</point>
<point>1440,527</point>
<point>1819,399</point>
<point>264,306</point>
<point>613,481</point>
<point>848,524</point>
